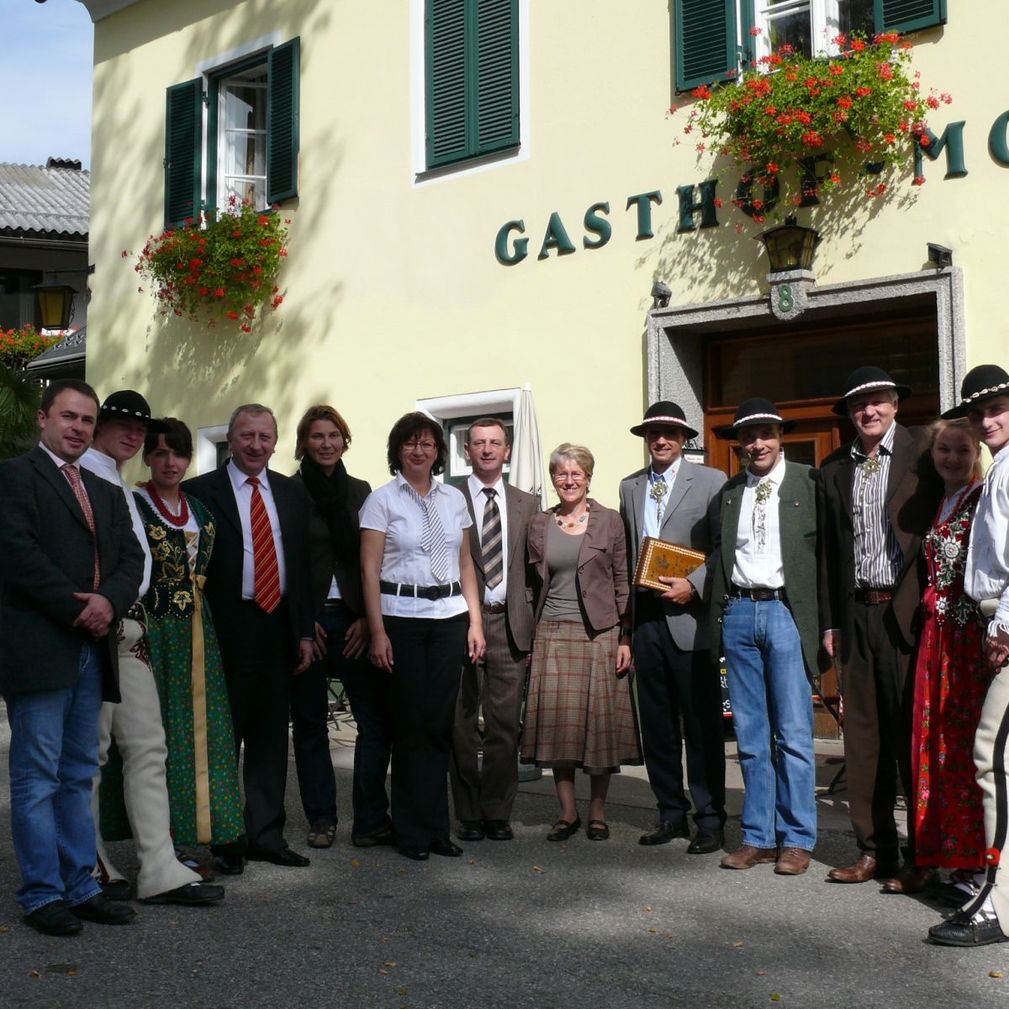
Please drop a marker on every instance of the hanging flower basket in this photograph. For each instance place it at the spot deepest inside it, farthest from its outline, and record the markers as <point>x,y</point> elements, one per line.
<point>862,109</point>
<point>218,271</point>
<point>18,347</point>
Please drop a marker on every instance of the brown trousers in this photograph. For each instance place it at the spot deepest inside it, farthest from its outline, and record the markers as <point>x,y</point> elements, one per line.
<point>494,685</point>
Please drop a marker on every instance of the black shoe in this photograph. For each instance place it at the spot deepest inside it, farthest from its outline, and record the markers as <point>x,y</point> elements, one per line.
<point>470,830</point>
<point>498,830</point>
<point>563,829</point>
<point>53,919</point>
<point>417,854</point>
<point>189,895</point>
<point>117,889</point>
<point>383,836</point>
<point>443,846</point>
<point>278,856</point>
<point>665,832</point>
<point>102,911</point>
<point>229,865</point>
<point>962,930</point>
<point>706,841</point>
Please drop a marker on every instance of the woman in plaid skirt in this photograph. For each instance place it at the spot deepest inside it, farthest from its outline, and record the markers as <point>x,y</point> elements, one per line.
<point>579,711</point>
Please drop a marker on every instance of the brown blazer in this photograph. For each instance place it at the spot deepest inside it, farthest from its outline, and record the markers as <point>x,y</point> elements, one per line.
<point>602,565</point>
<point>520,508</point>
<point>913,493</point>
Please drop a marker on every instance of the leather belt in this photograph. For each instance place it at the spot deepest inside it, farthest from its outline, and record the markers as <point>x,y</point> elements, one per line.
<point>493,607</point>
<point>431,592</point>
<point>873,597</point>
<point>759,595</point>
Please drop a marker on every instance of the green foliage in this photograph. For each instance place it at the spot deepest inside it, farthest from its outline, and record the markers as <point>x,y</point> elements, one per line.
<point>218,270</point>
<point>19,403</point>
<point>862,109</point>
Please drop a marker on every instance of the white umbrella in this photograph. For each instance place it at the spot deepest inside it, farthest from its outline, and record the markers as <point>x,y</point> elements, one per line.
<point>527,456</point>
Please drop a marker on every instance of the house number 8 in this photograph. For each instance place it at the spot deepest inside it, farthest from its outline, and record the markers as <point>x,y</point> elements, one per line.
<point>785,300</point>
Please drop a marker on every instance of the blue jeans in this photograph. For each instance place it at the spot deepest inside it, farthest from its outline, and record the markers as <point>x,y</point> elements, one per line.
<point>772,710</point>
<point>53,759</point>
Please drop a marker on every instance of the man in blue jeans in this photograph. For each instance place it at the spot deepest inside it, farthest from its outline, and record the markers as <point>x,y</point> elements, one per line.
<point>70,567</point>
<point>764,598</point>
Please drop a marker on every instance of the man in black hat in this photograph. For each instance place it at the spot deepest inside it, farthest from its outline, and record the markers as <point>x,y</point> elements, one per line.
<point>135,723</point>
<point>676,501</point>
<point>764,615</point>
<point>881,494</point>
<point>985,402</point>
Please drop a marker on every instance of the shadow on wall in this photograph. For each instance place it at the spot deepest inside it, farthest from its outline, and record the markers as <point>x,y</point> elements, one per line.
<point>219,366</point>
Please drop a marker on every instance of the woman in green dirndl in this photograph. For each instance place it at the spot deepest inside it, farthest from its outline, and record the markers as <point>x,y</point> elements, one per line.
<point>203,793</point>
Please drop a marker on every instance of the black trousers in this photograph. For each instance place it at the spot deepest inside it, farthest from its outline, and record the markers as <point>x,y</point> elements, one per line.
<point>310,734</point>
<point>878,702</point>
<point>258,668</point>
<point>427,666</point>
<point>679,704</point>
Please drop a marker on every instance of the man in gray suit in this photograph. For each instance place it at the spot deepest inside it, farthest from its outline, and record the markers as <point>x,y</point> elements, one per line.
<point>484,794</point>
<point>676,501</point>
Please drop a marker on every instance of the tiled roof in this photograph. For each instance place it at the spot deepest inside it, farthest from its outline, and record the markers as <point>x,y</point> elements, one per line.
<point>50,200</point>
<point>73,347</point>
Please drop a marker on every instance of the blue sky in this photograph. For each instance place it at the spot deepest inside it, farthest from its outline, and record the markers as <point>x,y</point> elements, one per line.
<point>45,78</point>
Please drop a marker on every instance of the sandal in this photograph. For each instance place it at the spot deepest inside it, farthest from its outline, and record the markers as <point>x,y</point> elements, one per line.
<point>563,829</point>
<point>598,830</point>
<point>321,835</point>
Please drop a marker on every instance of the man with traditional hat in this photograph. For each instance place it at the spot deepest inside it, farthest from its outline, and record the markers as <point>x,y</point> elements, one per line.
<point>881,494</point>
<point>135,723</point>
<point>676,501</point>
<point>764,614</point>
<point>984,397</point>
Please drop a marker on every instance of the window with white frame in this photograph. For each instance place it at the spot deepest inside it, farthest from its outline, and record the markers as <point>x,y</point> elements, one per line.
<point>809,26</point>
<point>241,135</point>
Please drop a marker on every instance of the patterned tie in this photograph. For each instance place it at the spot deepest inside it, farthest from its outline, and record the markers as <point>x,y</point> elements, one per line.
<point>491,543</point>
<point>76,485</point>
<point>433,540</point>
<point>264,553</point>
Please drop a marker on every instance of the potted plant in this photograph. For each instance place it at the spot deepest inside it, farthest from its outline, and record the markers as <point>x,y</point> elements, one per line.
<point>19,346</point>
<point>220,269</point>
<point>860,111</point>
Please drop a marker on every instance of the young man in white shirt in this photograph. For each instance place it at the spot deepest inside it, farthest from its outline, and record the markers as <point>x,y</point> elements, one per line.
<point>984,398</point>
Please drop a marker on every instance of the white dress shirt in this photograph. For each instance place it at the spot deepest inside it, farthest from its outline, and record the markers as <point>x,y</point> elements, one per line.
<point>758,564</point>
<point>243,497</point>
<point>986,575</point>
<point>655,511</point>
<point>104,466</point>
<point>499,593</point>
<point>393,510</point>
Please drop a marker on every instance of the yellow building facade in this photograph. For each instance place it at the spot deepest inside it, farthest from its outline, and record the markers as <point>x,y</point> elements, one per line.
<point>404,286</point>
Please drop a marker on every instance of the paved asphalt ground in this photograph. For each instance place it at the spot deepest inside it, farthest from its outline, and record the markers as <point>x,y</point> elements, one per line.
<point>530,924</point>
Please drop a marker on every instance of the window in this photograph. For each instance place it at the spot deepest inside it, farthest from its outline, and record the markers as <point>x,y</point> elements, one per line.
<point>713,36</point>
<point>471,79</point>
<point>458,467</point>
<point>250,135</point>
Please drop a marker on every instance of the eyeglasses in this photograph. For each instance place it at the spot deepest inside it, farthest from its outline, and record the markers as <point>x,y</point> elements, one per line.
<point>424,446</point>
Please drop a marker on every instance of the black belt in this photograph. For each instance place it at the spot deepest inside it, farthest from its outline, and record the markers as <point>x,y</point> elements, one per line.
<point>493,607</point>
<point>759,595</point>
<point>421,591</point>
<point>873,597</point>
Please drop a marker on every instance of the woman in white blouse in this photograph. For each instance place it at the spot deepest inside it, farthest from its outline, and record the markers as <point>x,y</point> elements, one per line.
<point>423,609</point>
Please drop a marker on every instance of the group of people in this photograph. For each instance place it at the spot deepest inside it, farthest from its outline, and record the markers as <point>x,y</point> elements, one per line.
<point>192,622</point>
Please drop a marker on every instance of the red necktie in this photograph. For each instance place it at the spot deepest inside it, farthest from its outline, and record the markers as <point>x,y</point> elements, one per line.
<point>74,479</point>
<point>264,553</point>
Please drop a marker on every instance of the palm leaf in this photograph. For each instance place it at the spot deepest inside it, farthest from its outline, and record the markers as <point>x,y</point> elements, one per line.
<point>19,403</point>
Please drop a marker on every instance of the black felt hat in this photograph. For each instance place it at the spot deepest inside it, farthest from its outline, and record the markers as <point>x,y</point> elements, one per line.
<point>129,405</point>
<point>868,378</point>
<point>755,411</point>
<point>663,414</point>
<point>984,382</point>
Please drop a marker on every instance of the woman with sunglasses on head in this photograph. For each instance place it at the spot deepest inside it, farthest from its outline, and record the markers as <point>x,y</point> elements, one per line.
<point>421,598</point>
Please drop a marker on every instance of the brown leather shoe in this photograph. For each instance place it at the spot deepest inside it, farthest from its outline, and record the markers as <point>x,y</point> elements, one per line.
<point>910,879</point>
<point>748,856</point>
<point>865,868</point>
<point>792,862</point>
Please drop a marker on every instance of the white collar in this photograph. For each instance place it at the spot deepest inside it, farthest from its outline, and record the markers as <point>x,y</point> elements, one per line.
<point>776,475</point>
<point>437,487</point>
<point>102,464</point>
<point>239,479</point>
<point>477,486</point>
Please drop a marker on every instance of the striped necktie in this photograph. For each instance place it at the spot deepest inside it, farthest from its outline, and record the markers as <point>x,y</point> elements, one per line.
<point>77,486</point>
<point>491,550</point>
<point>433,536</point>
<point>264,552</point>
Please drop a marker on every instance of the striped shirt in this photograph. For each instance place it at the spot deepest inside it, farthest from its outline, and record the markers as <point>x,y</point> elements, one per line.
<point>987,573</point>
<point>878,557</point>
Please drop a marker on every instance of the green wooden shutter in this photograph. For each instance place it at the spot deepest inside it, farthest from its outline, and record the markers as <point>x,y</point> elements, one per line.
<point>705,41</point>
<point>183,151</point>
<point>282,110</point>
<point>471,71</point>
<point>497,75</point>
<point>909,15</point>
